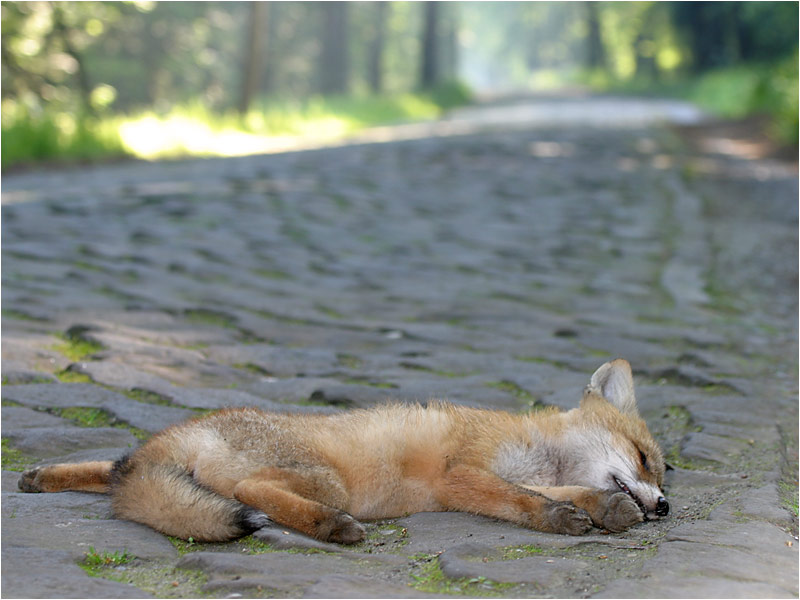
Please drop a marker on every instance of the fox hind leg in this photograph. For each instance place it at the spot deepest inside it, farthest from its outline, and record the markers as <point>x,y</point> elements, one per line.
<point>79,477</point>
<point>295,499</point>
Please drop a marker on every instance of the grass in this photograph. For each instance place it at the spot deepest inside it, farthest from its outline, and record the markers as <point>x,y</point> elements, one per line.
<point>429,578</point>
<point>106,559</point>
<point>193,129</point>
<point>13,459</point>
<point>49,135</point>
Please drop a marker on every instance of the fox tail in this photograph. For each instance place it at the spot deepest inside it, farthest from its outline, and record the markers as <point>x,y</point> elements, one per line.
<point>168,499</point>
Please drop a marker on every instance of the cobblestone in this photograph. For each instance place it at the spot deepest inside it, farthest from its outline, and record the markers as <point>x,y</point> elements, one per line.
<point>493,261</point>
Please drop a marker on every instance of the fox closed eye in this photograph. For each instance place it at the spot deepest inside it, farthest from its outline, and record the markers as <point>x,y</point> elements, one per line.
<point>643,459</point>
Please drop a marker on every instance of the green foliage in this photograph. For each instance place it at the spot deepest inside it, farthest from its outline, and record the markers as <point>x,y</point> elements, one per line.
<point>195,129</point>
<point>450,94</point>
<point>30,136</point>
<point>744,90</point>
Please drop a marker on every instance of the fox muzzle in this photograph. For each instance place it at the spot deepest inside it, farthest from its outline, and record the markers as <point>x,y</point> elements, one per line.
<point>662,507</point>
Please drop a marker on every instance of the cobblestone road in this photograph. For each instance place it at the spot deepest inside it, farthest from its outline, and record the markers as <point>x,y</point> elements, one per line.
<point>496,267</point>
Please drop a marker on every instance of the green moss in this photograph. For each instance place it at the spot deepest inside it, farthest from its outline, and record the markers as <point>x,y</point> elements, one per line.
<point>515,552</point>
<point>67,376</point>
<point>252,545</point>
<point>270,273</point>
<point>110,292</point>
<point>77,348</point>
<point>670,429</point>
<point>85,416</point>
<point>154,578</point>
<point>349,361</point>
<point>18,315</point>
<point>376,384</point>
<point>13,459</point>
<point>202,316</point>
<point>531,402</point>
<point>428,577</point>
<point>82,264</point>
<point>383,537</point>
<point>146,396</point>
<point>329,312</point>
<point>185,546</point>
<point>253,368</point>
<point>789,496</point>
<point>30,380</point>
<point>437,372</point>
<point>543,361</point>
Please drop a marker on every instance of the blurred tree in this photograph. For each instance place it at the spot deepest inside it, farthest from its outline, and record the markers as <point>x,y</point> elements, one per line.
<point>709,30</point>
<point>65,33</point>
<point>334,64</point>
<point>595,52</point>
<point>449,34</point>
<point>253,54</point>
<point>376,47</point>
<point>429,65</point>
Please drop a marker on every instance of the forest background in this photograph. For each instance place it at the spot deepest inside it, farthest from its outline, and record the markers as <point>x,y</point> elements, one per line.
<point>100,80</point>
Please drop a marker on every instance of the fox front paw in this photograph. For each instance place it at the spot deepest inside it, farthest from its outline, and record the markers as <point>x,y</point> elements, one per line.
<point>622,512</point>
<point>341,528</point>
<point>28,482</point>
<point>567,518</point>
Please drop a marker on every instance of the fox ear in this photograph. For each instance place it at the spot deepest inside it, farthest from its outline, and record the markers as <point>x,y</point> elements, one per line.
<point>614,381</point>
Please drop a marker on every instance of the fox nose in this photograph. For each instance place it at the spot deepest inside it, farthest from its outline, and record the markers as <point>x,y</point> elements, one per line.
<point>662,507</point>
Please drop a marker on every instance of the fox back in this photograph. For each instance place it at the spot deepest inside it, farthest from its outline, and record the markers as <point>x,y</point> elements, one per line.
<point>221,476</point>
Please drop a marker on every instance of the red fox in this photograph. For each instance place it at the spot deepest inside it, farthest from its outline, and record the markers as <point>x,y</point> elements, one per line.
<point>224,475</point>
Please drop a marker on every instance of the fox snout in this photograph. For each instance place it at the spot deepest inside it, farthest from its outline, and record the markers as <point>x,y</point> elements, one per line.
<point>662,507</point>
<point>648,498</point>
<point>661,510</point>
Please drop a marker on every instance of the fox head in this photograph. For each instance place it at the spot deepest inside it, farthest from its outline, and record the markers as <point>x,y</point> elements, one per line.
<point>616,450</point>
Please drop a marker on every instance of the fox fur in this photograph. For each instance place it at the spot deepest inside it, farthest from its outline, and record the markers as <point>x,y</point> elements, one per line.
<point>224,475</point>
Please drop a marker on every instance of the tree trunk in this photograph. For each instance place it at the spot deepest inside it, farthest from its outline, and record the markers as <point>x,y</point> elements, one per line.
<point>429,69</point>
<point>84,83</point>
<point>253,54</point>
<point>449,68</point>
<point>595,51</point>
<point>269,77</point>
<point>334,62</point>
<point>375,58</point>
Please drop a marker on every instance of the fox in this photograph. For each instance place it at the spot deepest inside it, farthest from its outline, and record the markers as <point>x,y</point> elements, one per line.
<point>224,475</point>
